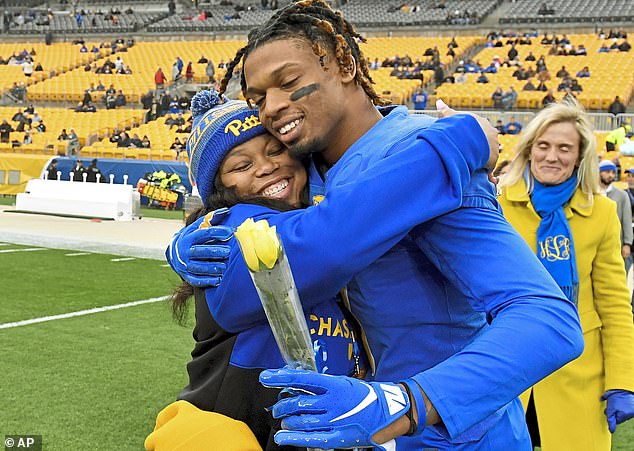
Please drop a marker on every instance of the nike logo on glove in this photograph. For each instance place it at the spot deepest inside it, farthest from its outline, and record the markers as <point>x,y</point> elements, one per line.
<point>369,399</point>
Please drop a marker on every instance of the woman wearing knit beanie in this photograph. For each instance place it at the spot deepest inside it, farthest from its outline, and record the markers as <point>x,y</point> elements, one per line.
<point>243,172</point>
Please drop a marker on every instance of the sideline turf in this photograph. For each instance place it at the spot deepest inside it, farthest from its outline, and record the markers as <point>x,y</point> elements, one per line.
<point>96,382</point>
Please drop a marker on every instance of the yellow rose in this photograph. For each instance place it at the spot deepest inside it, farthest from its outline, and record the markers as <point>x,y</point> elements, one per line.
<point>259,244</point>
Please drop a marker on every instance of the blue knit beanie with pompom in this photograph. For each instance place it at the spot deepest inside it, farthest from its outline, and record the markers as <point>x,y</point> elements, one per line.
<point>219,125</point>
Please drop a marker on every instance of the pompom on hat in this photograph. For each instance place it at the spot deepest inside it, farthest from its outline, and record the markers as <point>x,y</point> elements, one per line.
<point>219,125</point>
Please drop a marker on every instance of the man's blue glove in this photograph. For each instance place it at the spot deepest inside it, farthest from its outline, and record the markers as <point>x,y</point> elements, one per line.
<point>334,411</point>
<point>620,407</point>
<point>196,252</point>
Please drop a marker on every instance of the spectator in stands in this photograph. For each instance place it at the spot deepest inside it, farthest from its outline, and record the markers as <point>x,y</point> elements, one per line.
<point>120,99</point>
<point>189,73</point>
<point>176,74</point>
<point>147,99</point>
<point>145,142</point>
<point>116,136</point>
<point>27,67</point>
<point>83,49</point>
<point>497,98</point>
<point>171,7</point>
<point>461,78</point>
<point>110,100</point>
<point>51,170</point>
<point>5,131</point>
<point>210,71</point>
<point>575,86</point>
<point>374,65</point>
<point>491,68</point>
<point>541,64</point>
<point>616,107</point>
<point>173,105</point>
<point>581,50</point>
<point>499,126</point>
<point>178,147</point>
<point>512,53</point>
<point>92,171</point>
<point>584,73</point>
<point>159,79</point>
<point>530,57</point>
<point>135,141</point>
<point>87,97</point>
<point>512,127</point>
<point>73,143</point>
<point>604,48</point>
<point>562,73</point>
<point>63,135</point>
<point>566,83</point>
<point>529,86</point>
<point>624,46</point>
<point>509,98</point>
<point>124,139</point>
<point>40,127</point>
<point>482,78</point>
<point>615,44</point>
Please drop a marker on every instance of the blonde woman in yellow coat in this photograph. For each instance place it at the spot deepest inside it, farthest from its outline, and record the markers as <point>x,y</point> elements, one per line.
<point>550,195</point>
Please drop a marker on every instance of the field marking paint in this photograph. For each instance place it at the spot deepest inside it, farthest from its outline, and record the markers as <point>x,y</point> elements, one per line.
<point>167,265</point>
<point>124,259</point>
<point>5,244</point>
<point>77,254</point>
<point>26,249</point>
<point>81,313</point>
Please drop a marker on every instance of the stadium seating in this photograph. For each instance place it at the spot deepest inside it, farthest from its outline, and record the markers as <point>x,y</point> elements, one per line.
<point>617,67</point>
<point>88,126</point>
<point>564,11</point>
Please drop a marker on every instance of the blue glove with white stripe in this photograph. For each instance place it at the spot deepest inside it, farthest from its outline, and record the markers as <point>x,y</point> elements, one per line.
<point>196,252</point>
<point>334,411</point>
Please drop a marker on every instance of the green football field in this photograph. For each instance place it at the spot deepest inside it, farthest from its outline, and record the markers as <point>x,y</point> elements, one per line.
<point>95,381</point>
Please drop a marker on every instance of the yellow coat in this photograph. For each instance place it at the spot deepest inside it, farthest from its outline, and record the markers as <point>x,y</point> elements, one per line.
<point>569,410</point>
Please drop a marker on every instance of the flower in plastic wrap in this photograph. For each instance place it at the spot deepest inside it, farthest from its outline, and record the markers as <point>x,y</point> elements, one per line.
<point>259,243</point>
<point>271,274</point>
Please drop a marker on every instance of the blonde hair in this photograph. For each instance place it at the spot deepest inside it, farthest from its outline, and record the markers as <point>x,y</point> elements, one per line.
<point>566,111</point>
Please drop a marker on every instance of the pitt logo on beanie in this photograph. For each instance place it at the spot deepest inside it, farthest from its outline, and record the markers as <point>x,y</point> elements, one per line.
<point>219,125</point>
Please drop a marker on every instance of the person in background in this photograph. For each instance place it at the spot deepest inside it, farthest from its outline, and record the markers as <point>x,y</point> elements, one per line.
<point>512,127</point>
<point>52,170</point>
<point>419,98</point>
<point>92,171</point>
<point>607,175</point>
<point>551,196</point>
<point>304,71</point>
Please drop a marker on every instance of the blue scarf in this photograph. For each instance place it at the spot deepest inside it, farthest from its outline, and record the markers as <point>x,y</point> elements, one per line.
<point>555,246</point>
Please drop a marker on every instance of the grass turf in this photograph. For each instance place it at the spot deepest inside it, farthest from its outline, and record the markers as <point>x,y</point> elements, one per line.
<point>96,381</point>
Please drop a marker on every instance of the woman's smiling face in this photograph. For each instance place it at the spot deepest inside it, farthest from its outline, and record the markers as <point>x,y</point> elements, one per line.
<point>263,167</point>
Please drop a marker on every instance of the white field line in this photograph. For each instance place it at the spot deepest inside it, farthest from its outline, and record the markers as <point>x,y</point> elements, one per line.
<point>124,259</point>
<point>167,265</point>
<point>26,249</point>
<point>80,313</point>
<point>77,254</point>
<point>5,244</point>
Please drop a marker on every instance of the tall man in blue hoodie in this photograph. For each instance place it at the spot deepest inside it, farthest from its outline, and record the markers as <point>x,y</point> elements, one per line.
<point>459,314</point>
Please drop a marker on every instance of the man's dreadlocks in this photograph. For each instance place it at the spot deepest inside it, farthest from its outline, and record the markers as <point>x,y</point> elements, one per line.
<point>317,22</point>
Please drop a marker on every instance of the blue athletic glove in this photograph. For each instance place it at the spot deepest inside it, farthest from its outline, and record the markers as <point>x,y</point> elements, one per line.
<point>334,411</point>
<point>620,407</point>
<point>195,252</point>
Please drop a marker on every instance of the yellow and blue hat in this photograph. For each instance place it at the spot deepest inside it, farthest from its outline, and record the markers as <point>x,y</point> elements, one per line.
<point>219,125</point>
